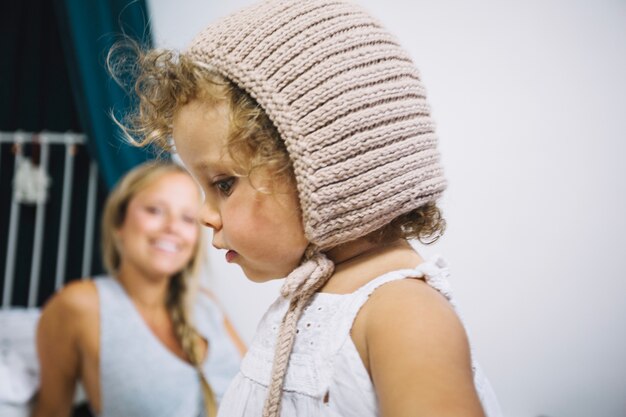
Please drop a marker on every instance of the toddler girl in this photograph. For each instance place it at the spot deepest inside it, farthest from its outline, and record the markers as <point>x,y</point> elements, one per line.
<point>308,128</point>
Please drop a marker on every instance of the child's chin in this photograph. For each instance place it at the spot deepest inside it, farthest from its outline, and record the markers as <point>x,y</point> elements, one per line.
<point>260,277</point>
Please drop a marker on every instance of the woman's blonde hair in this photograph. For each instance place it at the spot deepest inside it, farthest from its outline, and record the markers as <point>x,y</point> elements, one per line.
<point>165,81</point>
<point>183,285</point>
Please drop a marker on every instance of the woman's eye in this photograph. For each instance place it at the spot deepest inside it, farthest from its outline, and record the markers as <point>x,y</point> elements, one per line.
<point>225,186</point>
<point>189,219</point>
<point>153,210</point>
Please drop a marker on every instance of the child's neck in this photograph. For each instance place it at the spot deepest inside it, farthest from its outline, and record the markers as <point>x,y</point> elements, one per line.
<point>360,261</point>
<point>359,249</point>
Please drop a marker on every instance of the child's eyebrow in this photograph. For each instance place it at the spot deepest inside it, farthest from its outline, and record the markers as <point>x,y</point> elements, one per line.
<point>210,166</point>
<point>201,166</point>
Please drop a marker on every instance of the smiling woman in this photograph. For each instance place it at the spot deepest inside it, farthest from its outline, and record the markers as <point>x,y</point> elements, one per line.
<point>158,232</point>
<point>144,340</point>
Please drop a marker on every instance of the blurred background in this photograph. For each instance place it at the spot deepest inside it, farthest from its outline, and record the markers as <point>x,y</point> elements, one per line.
<point>530,101</point>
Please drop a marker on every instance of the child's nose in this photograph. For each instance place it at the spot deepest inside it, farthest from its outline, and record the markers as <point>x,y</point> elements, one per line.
<point>210,217</point>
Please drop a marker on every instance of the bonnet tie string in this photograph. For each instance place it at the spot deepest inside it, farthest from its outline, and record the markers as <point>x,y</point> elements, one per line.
<point>298,287</point>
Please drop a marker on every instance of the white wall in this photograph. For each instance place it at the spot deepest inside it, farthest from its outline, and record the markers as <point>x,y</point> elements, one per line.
<point>530,101</point>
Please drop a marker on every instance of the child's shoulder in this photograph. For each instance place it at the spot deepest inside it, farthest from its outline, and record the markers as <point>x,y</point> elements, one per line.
<point>410,297</point>
<point>409,335</point>
<point>409,317</point>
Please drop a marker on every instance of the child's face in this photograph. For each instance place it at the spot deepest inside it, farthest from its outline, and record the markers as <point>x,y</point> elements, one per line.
<point>261,232</point>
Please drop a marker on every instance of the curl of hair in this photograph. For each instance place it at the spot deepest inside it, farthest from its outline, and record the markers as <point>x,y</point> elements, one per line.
<point>182,286</point>
<point>424,223</point>
<point>165,81</point>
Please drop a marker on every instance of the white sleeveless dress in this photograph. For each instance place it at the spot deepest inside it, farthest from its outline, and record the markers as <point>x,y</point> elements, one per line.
<point>324,358</point>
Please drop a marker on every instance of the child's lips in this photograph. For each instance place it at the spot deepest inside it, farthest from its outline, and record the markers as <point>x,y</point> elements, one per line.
<point>230,255</point>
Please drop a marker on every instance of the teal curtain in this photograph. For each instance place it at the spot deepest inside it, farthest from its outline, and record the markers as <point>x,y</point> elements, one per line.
<point>88,29</point>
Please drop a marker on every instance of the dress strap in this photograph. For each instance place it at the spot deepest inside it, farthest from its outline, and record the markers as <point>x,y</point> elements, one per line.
<point>434,272</point>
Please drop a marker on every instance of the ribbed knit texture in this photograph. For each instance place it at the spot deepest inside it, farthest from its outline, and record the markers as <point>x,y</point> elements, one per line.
<point>351,108</point>
<point>348,102</point>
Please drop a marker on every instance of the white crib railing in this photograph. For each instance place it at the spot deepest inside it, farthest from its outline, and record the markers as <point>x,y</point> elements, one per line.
<point>29,186</point>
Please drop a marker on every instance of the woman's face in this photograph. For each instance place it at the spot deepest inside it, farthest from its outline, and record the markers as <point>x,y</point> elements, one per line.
<point>160,230</point>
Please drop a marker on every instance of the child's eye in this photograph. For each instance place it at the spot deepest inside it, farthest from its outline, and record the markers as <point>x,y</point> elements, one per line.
<point>225,186</point>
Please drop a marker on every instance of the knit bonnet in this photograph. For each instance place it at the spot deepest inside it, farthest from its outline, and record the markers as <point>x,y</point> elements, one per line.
<point>349,104</point>
<point>346,99</point>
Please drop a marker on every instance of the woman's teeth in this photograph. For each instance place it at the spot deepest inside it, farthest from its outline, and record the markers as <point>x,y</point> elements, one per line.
<point>166,246</point>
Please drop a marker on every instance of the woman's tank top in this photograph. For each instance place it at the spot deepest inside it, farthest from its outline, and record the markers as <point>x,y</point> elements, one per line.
<point>140,377</point>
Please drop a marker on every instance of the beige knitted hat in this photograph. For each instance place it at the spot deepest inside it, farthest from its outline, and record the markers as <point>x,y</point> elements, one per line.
<point>346,99</point>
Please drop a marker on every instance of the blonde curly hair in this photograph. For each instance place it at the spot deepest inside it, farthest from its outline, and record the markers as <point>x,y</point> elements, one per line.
<point>166,81</point>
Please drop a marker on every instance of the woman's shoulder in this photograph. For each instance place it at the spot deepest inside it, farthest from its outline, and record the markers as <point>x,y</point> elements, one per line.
<point>79,297</point>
